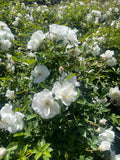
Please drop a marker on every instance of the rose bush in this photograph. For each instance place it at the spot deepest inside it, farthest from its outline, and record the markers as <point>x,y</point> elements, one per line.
<point>59,80</point>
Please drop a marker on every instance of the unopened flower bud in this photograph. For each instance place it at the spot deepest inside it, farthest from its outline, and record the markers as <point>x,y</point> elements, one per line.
<point>102,121</point>
<point>61,69</point>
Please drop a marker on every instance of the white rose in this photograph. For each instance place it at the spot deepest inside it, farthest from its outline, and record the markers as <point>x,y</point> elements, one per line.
<point>114,93</point>
<point>111,62</point>
<point>10,94</point>
<point>35,41</point>
<point>96,50</point>
<point>43,103</point>
<point>40,73</point>
<point>64,33</point>
<point>66,92</point>
<point>9,120</point>
<point>104,146</point>
<point>107,135</point>
<point>107,54</point>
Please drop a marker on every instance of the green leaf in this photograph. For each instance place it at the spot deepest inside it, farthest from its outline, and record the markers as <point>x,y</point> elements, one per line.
<point>94,140</point>
<point>25,148</point>
<point>12,146</point>
<point>45,147</point>
<point>38,155</point>
<point>83,102</point>
<point>18,134</point>
<point>93,146</point>
<point>47,153</point>
<point>70,75</point>
<point>45,157</point>
<point>29,117</point>
<point>7,157</point>
<point>50,149</point>
<point>30,151</point>
<point>30,61</point>
<point>24,158</point>
<point>82,157</point>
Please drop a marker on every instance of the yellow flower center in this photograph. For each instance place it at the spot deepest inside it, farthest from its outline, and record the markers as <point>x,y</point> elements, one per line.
<point>47,103</point>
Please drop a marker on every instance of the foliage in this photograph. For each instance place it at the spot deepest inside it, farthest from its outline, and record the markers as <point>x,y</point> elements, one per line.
<point>70,135</point>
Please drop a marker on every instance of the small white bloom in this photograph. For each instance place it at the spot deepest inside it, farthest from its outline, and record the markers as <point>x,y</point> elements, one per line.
<point>16,22</point>
<point>96,50</point>
<point>96,19</point>
<point>9,120</point>
<point>35,41</point>
<point>104,146</point>
<point>40,73</point>
<point>9,56</point>
<point>111,62</point>
<point>10,94</point>
<point>10,67</point>
<point>30,54</point>
<point>89,18</point>
<point>23,5</point>
<point>43,103</point>
<point>5,44</point>
<point>66,92</point>
<point>73,51</point>
<point>113,23</point>
<point>19,15</point>
<point>107,135</point>
<point>2,151</point>
<point>108,13</point>
<point>61,69</point>
<point>102,121</point>
<point>114,93</point>
<point>96,13</point>
<point>116,10</point>
<point>107,54</point>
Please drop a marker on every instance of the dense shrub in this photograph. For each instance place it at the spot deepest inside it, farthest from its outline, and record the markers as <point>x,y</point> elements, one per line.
<point>59,80</point>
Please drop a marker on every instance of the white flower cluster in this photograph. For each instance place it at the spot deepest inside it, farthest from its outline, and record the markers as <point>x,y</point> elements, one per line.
<point>9,120</point>
<point>108,56</point>
<point>5,36</point>
<point>45,104</point>
<point>56,32</point>
<point>95,15</point>
<point>16,22</point>
<point>106,137</point>
<point>65,91</point>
